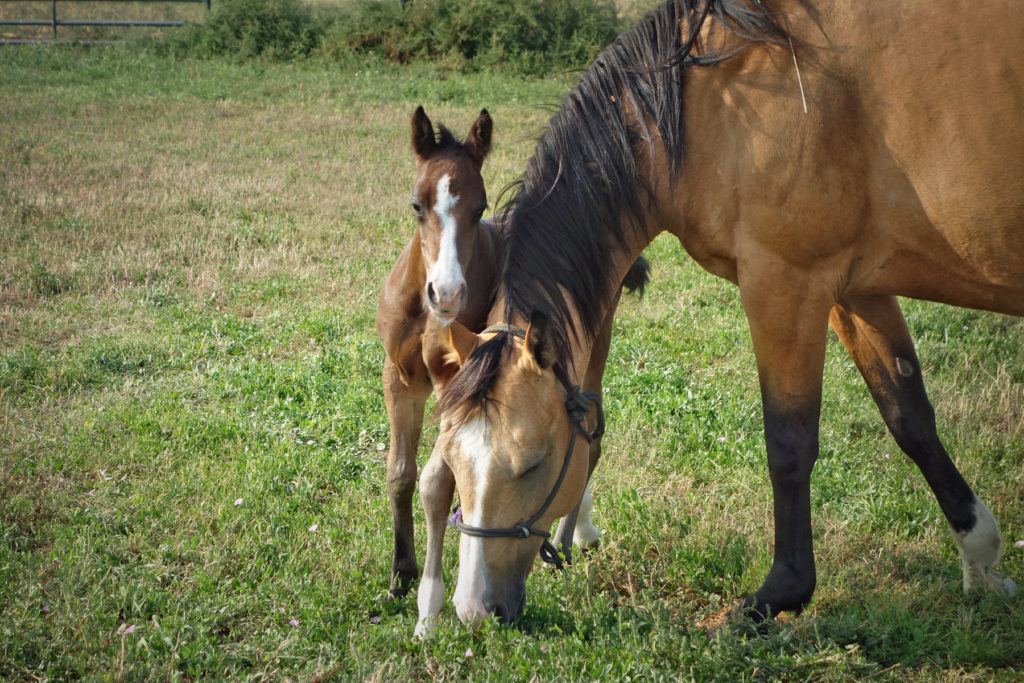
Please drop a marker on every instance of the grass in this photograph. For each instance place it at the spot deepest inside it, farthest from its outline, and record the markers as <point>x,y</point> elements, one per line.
<point>193,432</point>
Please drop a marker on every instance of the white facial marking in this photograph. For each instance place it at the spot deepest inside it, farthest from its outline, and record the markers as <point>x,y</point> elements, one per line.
<point>445,276</point>
<point>474,439</point>
<point>585,534</point>
<point>980,549</point>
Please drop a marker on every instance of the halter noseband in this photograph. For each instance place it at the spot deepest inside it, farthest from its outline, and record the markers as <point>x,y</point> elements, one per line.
<point>577,405</point>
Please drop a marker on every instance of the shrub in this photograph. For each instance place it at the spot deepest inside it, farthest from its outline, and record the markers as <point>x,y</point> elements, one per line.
<point>274,29</point>
<point>531,35</point>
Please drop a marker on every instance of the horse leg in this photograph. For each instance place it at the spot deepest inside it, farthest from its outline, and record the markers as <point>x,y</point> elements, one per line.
<point>437,489</point>
<point>405,405</point>
<point>875,334</point>
<point>577,527</point>
<point>788,327</point>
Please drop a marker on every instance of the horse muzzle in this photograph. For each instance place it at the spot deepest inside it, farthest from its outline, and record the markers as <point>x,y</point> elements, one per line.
<point>507,607</point>
<point>445,302</point>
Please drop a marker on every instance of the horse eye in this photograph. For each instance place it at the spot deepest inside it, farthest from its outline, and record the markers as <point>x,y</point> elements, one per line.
<point>479,213</point>
<point>417,208</point>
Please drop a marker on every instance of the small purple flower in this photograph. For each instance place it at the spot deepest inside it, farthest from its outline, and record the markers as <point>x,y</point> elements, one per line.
<point>1018,544</point>
<point>293,622</point>
<point>129,629</point>
<point>456,516</point>
<point>375,619</point>
<point>46,609</point>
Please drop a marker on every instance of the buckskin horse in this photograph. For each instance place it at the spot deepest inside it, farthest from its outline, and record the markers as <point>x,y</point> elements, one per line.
<point>446,273</point>
<point>825,158</point>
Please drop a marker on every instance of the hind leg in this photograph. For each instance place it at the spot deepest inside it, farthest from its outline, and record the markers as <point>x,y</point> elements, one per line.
<point>875,334</point>
<point>405,404</point>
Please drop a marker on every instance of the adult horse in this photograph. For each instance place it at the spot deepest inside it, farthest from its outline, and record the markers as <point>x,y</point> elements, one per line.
<point>825,158</point>
<point>447,272</point>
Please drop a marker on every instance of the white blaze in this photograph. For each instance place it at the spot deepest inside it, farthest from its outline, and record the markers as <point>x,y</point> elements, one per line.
<point>446,275</point>
<point>474,439</point>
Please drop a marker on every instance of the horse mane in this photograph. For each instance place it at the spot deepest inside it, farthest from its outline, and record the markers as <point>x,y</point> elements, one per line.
<point>583,194</point>
<point>446,140</point>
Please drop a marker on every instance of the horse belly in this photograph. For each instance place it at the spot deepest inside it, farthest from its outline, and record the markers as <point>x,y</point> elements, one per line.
<point>942,90</point>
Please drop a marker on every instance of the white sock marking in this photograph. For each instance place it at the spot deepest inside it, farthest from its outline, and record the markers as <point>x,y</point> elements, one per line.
<point>585,534</point>
<point>475,440</point>
<point>980,550</point>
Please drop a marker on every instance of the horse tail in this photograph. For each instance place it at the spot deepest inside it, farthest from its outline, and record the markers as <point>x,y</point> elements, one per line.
<point>637,277</point>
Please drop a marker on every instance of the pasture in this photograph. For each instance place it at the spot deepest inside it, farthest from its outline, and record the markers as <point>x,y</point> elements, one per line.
<point>193,431</point>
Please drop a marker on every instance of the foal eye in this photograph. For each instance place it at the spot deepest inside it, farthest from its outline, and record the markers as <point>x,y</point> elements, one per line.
<point>417,208</point>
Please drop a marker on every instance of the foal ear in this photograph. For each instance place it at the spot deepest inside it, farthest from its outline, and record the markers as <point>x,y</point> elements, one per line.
<point>478,142</point>
<point>423,140</point>
<point>540,341</point>
<point>446,349</point>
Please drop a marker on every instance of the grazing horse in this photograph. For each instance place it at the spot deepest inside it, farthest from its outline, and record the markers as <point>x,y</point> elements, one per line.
<point>446,273</point>
<point>825,158</point>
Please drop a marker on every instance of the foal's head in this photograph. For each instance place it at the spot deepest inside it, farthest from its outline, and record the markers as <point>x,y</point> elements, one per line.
<point>448,199</point>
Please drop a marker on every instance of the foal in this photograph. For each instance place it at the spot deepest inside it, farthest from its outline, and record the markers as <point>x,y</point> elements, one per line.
<point>446,272</point>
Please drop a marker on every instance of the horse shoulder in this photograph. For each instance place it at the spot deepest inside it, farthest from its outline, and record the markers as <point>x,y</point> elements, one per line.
<point>400,315</point>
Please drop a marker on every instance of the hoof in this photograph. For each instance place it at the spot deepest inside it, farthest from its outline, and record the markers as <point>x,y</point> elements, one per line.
<point>400,587</point>
<point>992,581</point>
<point>742,621</point>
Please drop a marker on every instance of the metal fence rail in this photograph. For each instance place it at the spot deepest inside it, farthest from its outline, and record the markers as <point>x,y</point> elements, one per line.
<point>55,21</point>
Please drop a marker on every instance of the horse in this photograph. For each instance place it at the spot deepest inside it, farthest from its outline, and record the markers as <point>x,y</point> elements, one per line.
<point>447,273</point>
<point>823,157</point>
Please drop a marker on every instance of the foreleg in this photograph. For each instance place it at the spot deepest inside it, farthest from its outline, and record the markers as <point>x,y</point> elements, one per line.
<point>405,405</point>
<point>437,489</point>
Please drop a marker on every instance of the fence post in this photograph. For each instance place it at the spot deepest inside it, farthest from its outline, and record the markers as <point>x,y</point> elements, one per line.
<point>53,17</point>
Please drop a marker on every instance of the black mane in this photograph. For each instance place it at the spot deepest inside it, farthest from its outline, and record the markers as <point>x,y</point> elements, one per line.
<point>583,194</point>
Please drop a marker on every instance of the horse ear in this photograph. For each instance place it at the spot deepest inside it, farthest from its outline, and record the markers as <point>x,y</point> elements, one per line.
<point>478,142</point>
<point>423,140</point>
<point>540,341</point>
<point>446,349</point>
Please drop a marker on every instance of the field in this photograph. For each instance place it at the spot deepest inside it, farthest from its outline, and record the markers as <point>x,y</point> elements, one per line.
<point>193,432</point>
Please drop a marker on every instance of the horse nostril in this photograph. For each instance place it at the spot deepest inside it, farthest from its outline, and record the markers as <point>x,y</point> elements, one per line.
<point>431,294</point>
<point>504,613</point>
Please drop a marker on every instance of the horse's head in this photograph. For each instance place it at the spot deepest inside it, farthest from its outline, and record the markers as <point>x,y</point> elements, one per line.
<point>448,199</point>
<point>518,459</point>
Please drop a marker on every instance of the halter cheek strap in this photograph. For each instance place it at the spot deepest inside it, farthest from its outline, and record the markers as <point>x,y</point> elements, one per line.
<point>577,405</point>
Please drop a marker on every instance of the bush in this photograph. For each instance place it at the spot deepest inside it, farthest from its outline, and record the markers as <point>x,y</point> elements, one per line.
<point>531,35</point>
<point>274,29</point>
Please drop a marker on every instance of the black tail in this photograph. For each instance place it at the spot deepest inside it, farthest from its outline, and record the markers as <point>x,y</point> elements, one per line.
<point>637,277</point>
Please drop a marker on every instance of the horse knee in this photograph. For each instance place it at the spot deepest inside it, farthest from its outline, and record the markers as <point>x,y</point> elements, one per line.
<point>792,452</point>
<point>401,478</point>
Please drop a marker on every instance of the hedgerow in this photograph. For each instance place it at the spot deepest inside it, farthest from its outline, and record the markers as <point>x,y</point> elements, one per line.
<point>529,36</point>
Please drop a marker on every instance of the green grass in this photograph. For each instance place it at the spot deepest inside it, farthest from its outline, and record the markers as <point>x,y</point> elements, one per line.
<point>191,254</point>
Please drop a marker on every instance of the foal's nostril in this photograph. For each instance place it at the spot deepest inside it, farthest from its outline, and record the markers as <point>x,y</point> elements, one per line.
<point>431,294</point>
